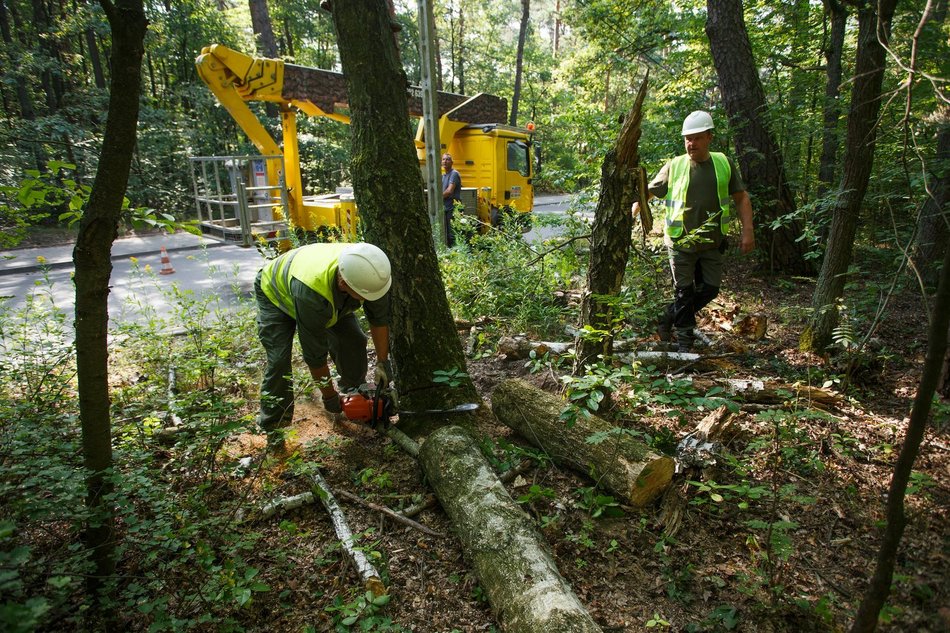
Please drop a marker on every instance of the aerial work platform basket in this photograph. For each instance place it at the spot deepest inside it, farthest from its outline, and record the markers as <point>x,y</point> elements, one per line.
<point>236,200</point>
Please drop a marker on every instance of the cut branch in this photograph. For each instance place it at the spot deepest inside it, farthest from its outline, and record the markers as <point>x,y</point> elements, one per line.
<point>366,570</point>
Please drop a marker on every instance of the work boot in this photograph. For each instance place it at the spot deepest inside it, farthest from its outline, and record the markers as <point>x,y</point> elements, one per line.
<point>684,340</point>
<point>664,328</point>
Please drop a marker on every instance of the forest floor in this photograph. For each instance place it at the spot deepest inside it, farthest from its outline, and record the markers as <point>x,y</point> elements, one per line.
<point>717,572</point>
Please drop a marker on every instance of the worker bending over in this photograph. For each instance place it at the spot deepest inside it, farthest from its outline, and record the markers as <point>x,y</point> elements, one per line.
<point>315,290</point>
<point>696,188</point>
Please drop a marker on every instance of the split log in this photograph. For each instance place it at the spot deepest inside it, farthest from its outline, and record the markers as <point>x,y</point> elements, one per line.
<point>365,568</point>
<point>718,426</point>
<point>513,565</point>
<point>623,465</point>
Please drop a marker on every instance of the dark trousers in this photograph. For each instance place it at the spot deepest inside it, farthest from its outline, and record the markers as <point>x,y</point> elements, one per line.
<point>276,329</point>
<point>696,280</point>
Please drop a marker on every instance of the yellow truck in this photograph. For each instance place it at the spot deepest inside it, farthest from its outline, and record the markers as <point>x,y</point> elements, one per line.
<point>247,199</point>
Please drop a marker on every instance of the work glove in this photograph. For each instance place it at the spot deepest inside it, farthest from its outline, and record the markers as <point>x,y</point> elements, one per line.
<point>332,404</point>
<point>384,373</point>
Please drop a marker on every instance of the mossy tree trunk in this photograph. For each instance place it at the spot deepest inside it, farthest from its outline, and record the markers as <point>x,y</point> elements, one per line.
<point>610,238</point>
<point>92,257</point>
<point>618,462</point>
<point>388,187</point>
<point>513,565</point>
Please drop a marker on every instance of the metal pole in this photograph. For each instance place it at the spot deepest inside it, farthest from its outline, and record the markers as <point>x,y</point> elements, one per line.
<point>430,117</point>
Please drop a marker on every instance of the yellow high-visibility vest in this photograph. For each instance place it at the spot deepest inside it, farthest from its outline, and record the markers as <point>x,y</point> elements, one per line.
<point>675,200</point>
<point>315,265</point>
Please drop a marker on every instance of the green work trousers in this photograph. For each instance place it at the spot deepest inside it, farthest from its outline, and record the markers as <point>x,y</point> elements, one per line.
<point>275,328</point>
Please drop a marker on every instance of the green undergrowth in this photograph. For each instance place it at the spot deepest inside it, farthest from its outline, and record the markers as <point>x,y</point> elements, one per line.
<point>181,386</point>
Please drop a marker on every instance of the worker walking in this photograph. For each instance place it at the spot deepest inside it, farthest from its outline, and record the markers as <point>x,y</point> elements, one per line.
<point>451,191</point>
<point>696,188</point>
<point>315,290</point>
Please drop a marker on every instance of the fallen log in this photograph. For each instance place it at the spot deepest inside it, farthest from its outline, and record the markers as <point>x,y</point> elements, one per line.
<point>368,573</point>
<point>519,347</point>
<point>621,464</point>
<point>513,565</point>
<point>772,392</point>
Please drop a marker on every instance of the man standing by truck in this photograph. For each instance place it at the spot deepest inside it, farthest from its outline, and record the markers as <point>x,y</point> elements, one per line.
<point>314,290</point>
<point>696,188</point>
<point>451,191</point>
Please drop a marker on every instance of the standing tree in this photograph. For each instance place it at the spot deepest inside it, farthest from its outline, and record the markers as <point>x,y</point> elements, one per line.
<point>92,257</point>
<point>610,238</point>
<point>263,29</point>
<point>388,188</point>
<point>831,110</point>
<point>519,61</point>
<point>266,42</point>
<point>880,585</point>
<point>873,32</point>
<point>760,158</point>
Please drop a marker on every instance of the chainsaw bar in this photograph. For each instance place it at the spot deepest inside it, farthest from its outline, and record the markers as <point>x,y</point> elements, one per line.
<point>462,408</point>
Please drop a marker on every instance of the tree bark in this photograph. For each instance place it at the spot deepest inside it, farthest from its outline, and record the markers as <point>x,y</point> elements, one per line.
<point>263,29</point>
<point>460,67</point>
<point>932,231</point>
<point>92,257</point>
<point>519,61</point>
<point>22,92</point>
<point>266,42</point>
<point>621,464</point>
<point>514,567</point>
<point>388,189</point>
<point>873,28</point>
<point>832,106</point>
<point>759,156</point>
<point>610,239</point>
<point>880,585</point>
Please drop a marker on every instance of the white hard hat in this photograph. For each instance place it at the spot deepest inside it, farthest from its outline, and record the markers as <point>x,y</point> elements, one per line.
<point>365,268</point>
<point>697,122</point>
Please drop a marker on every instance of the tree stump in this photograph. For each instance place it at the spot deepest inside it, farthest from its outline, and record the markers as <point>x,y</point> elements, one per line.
<point>621,464</point>
<point>513,565</point>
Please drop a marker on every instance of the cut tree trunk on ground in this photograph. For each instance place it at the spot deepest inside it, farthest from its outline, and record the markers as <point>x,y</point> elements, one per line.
<point>513,565</point>
<point>621,464</point>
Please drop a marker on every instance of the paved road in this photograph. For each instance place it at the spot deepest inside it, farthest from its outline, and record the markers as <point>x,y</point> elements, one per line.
<point>552,206</point>
<point>202,266</point>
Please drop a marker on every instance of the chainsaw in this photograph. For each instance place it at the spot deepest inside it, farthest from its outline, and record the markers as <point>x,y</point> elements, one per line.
<point>377,406</point>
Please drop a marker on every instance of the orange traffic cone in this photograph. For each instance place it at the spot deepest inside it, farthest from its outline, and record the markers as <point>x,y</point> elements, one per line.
<point>166,264</point>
